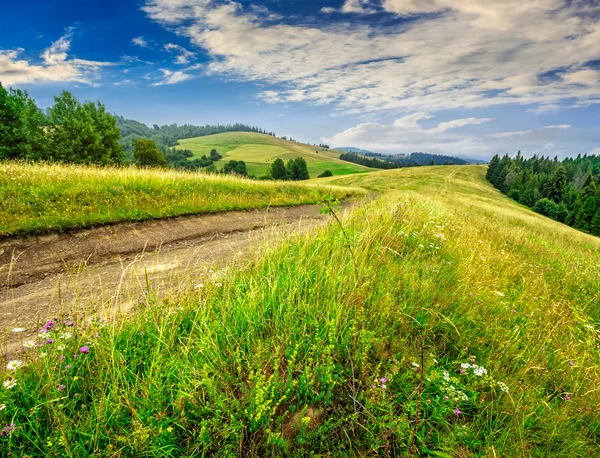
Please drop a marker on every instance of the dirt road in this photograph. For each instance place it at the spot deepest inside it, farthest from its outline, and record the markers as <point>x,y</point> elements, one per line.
<point>96,271</point>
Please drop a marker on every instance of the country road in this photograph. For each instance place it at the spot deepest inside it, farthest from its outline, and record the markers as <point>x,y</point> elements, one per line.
<point>94,272</point>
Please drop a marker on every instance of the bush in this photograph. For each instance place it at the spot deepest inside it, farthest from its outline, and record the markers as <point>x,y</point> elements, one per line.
<point>546,207</point>
<point>514,194</point>
<point>326,173</point>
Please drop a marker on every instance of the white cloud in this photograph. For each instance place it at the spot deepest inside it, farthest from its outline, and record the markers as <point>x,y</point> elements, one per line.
<point>55,66</point>
<point>406,135</point>
<point>469,54</point>
<point>140,41</point>
<point>595,151</point>
<point>546,133</point>
<point>174,77</point>
<point>184,56</point>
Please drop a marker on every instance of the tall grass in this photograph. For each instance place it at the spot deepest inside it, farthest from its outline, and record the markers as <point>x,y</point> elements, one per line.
<point>42,197</point>
<point>293,356</point>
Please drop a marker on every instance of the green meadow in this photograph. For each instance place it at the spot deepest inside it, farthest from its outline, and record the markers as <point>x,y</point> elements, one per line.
<point>439,319</point>
<point>259,151</point>
<point>36,198</point>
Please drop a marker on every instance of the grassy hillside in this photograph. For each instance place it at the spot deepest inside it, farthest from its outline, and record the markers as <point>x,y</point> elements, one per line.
<point>469,320</point>
<point>40,198</point>
<point>259,151</point>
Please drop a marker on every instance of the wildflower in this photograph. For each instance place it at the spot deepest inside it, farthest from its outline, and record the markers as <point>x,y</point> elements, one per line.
<point>60,347</point>
<point>17,330</point>
<point>61,387</point>
<point>383,386</point>
<point>68,366</point>
<point>29,344</point>
<point>8,430</point>
<point>49,325</point>
<point>14,365</point>
<point>2,406</point>
<point>479,371</point>
<point>571,363</point>
<point>43,354</point>
<point>503,387</point>
<point>75,356</point>
<point>66,335</point>
<point>49,341</point>
<point>170,429</point>
<point>465,365</point>
<point>457,412</point>
<point>61,357</point>
<point>415,365</point>
<point>447,398</point>
<point>10,383</point>
<point>446,376</point>
<point>75,378</point>
<point>567,397</point>
<point>43,334</point>
<point>383,380</point>
<point>84,349</point>
<point>462,371</point>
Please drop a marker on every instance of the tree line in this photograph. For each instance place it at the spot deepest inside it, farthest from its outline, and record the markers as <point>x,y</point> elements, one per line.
<point>295,169</point>
<point>69,131</point>
<point>567,191</point>
<point>381,161</point>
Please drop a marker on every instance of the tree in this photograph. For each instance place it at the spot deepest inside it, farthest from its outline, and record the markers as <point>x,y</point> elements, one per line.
<point>33,123</point>
<point>296,169</point>
<point>235,167</point>
<point>12,137</point>
<point>585,213</point>
<point>326,173</point>
<point>556,186</point>
<point>595,224</point>
<point>546,207</point>
<point>277,170</point>
<point>146,154</point>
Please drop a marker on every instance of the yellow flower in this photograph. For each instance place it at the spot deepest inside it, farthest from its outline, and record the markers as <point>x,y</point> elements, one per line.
<point>75,378</point>
<point>169,429</point>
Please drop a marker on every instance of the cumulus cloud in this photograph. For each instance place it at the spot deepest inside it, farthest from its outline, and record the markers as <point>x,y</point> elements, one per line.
<point>443,54</point>
<point>55,66</point>
<point>407,135</point>
<point>184,56</point>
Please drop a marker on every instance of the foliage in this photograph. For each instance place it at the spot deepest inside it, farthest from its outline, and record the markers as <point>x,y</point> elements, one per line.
<point>278,171</point>
<point>539,182</point>
<point>236,168</point>
<point>37,198</point>
<point>381,161</point>
<point>326,173</point>
<point>296,169</point>
<point>493,304</point>
<point>146,154</point>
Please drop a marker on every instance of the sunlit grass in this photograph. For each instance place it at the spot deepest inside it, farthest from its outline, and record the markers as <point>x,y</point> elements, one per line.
<point>42,197</point>
<point>294,355</point>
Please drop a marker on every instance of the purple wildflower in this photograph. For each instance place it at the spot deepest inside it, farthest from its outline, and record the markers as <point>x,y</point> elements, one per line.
<point>462,371</point>
<point>68,367</point>
<point>446,398</point>
<point>75,356</point>
<point>61,357</point>
<point>383,380</point>
<point>49,341</point>
<point>84,349</point>
<point>49,325</point>
<point>383,387</point>
<point>8,430</point>
<point>457,412</point>
<point>567,397</point>
<point>61,387</point>
<point>571,363</point>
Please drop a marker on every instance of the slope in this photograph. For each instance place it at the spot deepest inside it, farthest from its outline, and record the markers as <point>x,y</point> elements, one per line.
<point>443,315</point>
<point>258,151</point>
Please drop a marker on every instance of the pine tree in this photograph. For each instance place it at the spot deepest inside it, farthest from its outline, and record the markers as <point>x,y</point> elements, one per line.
<point>585,214</point>
<point>595,224</point>
<point>556,186</point>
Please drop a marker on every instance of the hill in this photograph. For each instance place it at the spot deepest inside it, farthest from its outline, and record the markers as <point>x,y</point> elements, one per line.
<point>259,151</point>
<point>442,318</point>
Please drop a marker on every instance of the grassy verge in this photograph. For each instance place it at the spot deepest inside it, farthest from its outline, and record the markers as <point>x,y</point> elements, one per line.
<point>38,198</point>
<point>488,327</point>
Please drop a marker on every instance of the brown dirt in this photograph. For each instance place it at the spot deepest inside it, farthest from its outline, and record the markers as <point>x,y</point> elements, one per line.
<point>101,270</point>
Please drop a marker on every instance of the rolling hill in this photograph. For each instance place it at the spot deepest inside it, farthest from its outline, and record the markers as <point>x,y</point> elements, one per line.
<point>259,151</point>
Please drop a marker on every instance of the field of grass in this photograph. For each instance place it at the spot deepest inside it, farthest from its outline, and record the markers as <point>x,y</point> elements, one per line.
<point>259,151</point>
<point>469,326</point>
<point>37,198</point>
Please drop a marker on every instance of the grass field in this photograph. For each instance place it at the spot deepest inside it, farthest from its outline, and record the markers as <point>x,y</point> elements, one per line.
<point>38,198</point>
<point>442,314</point>
<point>259,151</point>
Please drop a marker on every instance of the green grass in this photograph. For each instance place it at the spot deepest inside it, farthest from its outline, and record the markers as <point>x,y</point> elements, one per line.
<point>37,198</point>
<point>284,357</point>
<point>259,151</point>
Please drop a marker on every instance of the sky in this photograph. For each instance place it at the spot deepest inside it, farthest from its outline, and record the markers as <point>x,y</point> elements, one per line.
<point>470,78</point>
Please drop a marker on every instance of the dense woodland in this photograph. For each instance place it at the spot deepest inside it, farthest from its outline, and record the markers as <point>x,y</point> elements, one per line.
<point>382,161</point>
<point>567,191</point>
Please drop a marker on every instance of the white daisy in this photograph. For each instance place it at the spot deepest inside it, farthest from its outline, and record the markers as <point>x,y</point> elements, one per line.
<point>10,383</point>
<point>14,364</point>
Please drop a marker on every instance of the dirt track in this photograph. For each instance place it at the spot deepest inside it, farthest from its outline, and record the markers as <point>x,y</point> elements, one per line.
<point>92,271</point>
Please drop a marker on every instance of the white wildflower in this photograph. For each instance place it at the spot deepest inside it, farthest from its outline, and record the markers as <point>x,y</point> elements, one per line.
<point>446,376</point>
<point>478,370</point>
<point>43,334</point>
<point>2,406</point>
<point>29,344</point>
<point>10,383</point>
<point>415,364</point>
<point>43,354</point>
<point>14,364</point>
<point>18,330</point>
<point>465,365</point>
<point>60,347</point>
<point>66,335</point>
<point>503,387</point>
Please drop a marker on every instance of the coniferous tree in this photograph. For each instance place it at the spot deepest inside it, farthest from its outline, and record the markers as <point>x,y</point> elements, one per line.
<point>277,171</point>
<point>557,185</point>
<point>595,224</point>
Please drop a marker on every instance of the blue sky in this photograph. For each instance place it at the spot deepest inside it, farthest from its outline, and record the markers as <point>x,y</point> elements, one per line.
<point>462,77</point>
